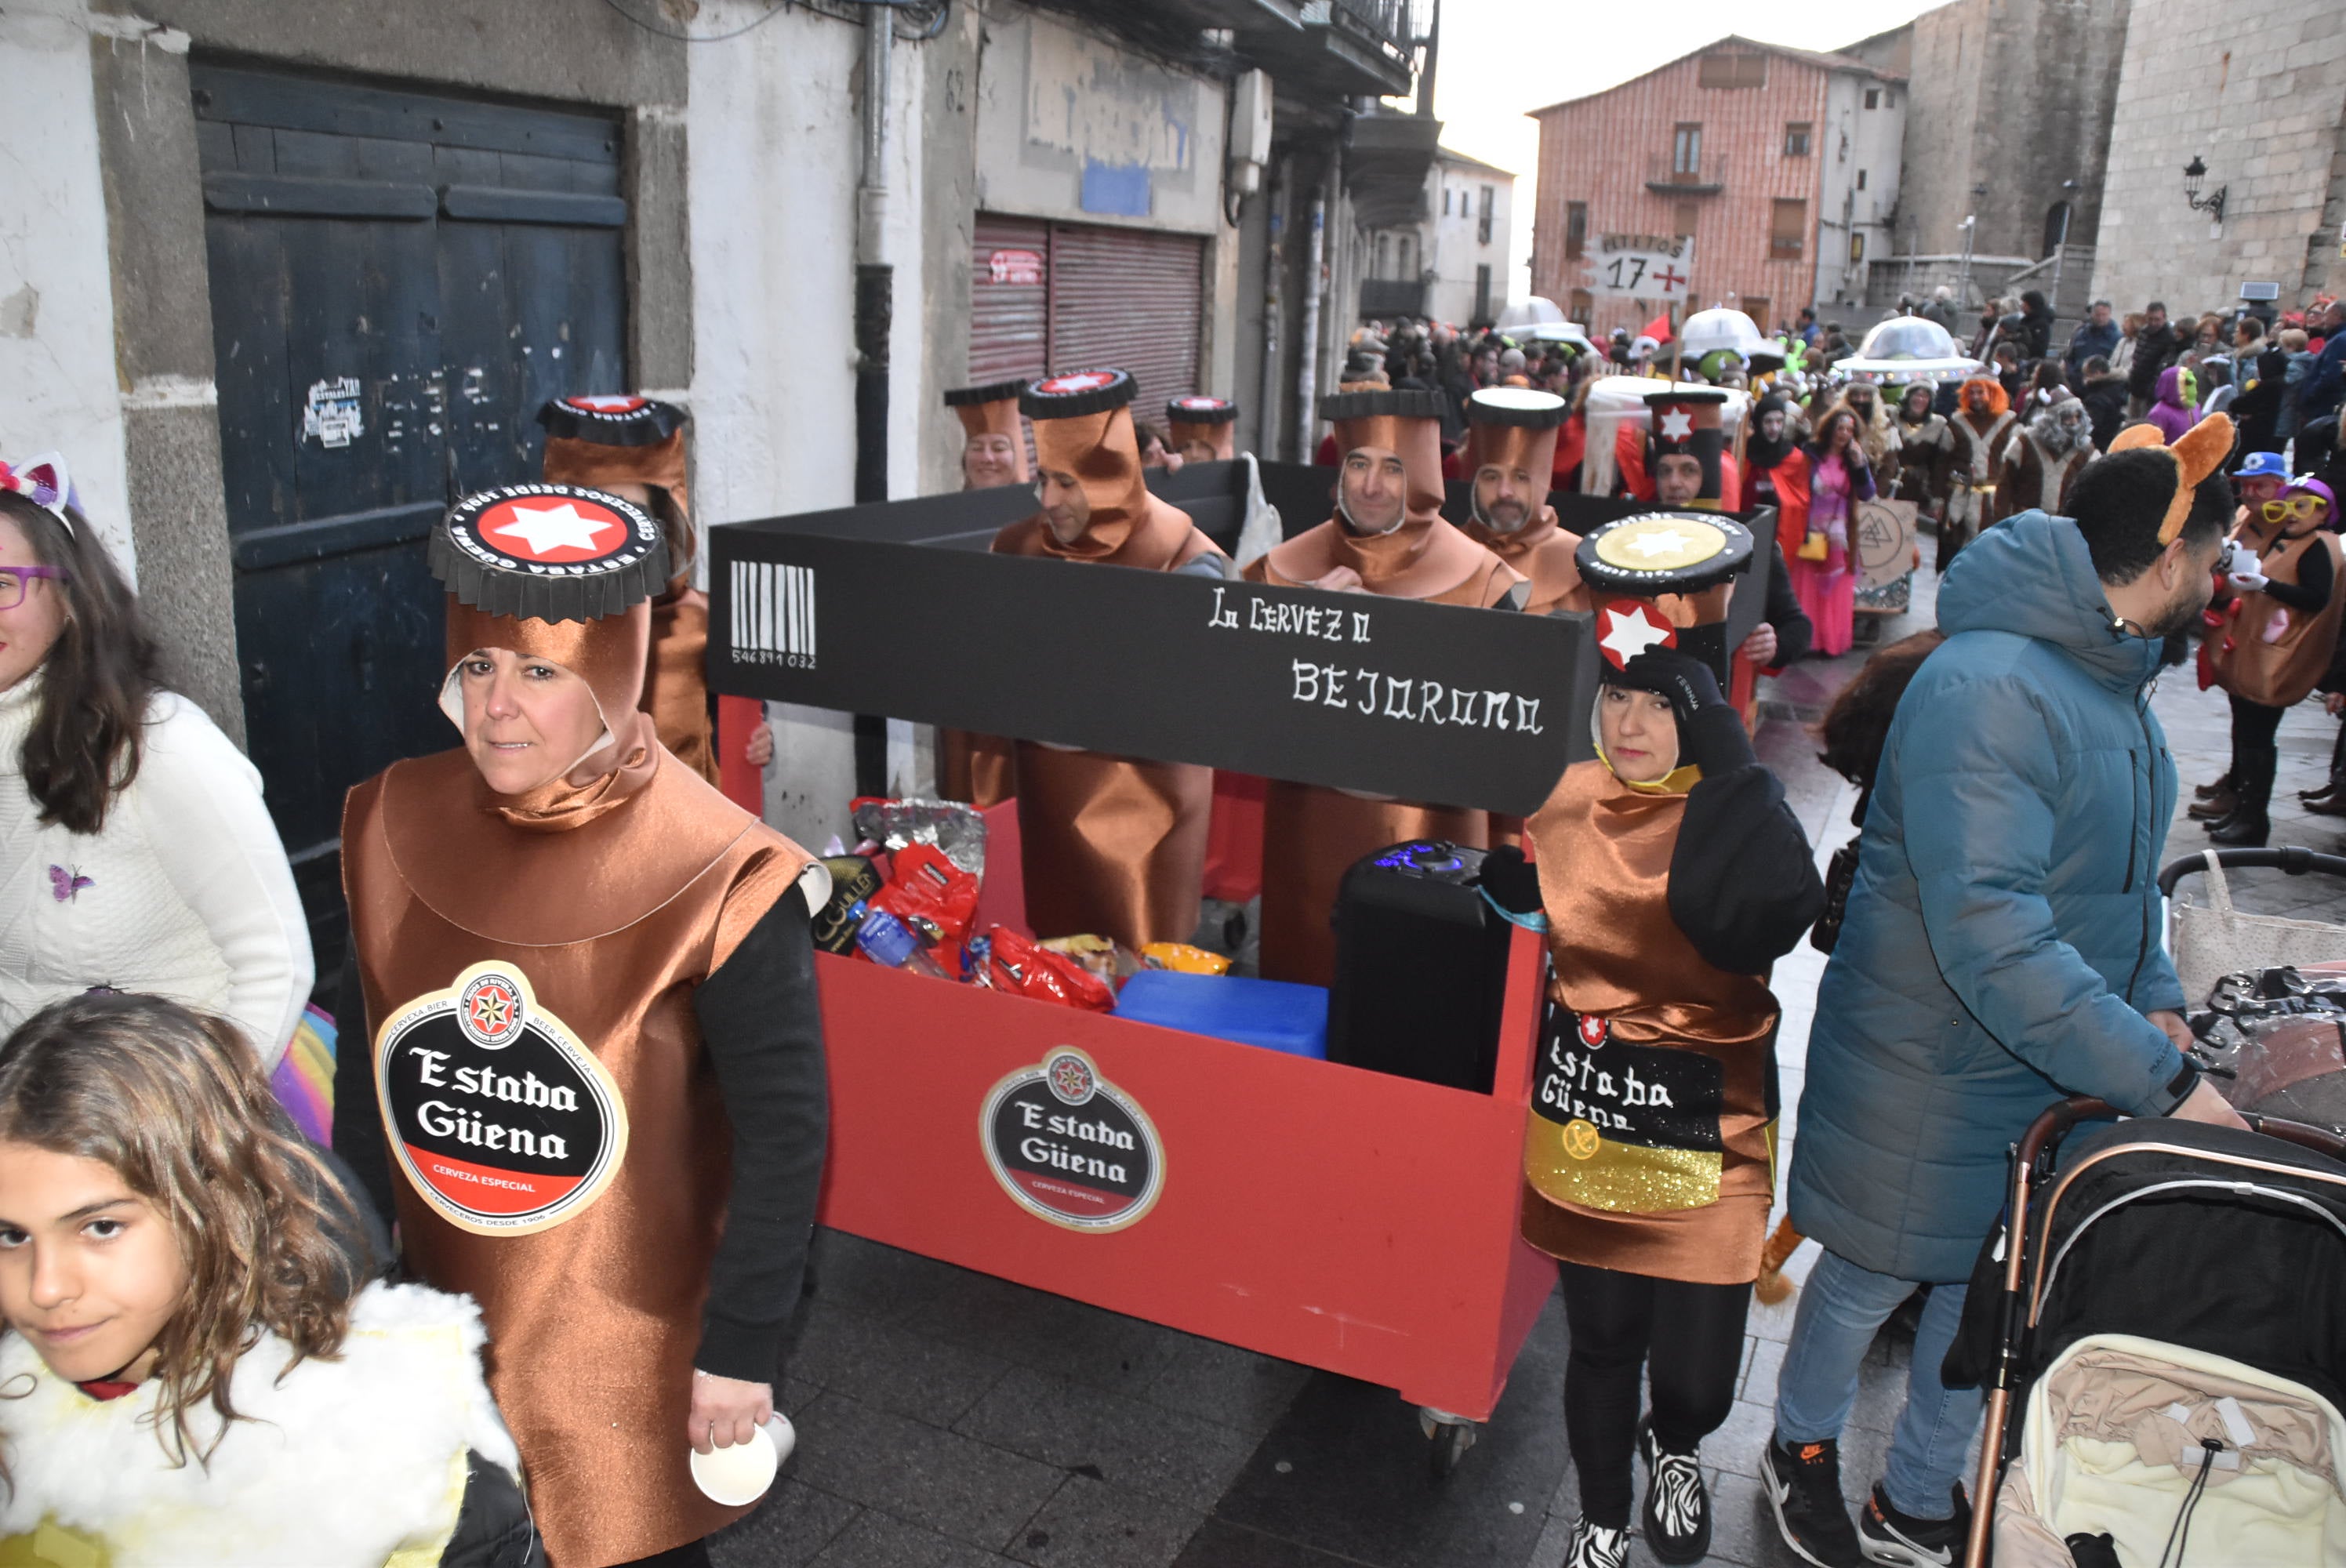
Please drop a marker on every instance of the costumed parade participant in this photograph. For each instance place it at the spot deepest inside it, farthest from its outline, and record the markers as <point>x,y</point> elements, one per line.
<point>201,1370</point>
<point>979,769</point>
<point>2276,639</point>
<point>1982,428</point>
<point>633,447</point>
<point>1816,542</point>
<point>1877,432</point>
<point>993,451</point>
<point>595,1096</point>
<point>1668,875</point>
<point>1924,448</point>
<point>1511,436</point>
<point>1203,429</point>
<point>1113,846</point>
<point>2259,479</point>
<point>1388,537</point>
<point>2044,460</point>
<point>1683,447</point>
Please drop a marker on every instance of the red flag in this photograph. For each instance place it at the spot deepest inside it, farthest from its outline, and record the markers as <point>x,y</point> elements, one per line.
<point>1658,329</point>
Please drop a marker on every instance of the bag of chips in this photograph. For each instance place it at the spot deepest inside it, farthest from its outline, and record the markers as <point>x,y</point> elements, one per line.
<point>1182,959</point>
<point>935,898</point>
<point>1024,967</point>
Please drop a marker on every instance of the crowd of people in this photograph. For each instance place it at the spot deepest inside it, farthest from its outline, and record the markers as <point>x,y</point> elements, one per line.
<point>551,1329</point>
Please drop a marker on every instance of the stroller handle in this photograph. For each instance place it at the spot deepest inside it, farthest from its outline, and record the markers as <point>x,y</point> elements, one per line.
<point>2294,859</point>
<point>2055,1121</point>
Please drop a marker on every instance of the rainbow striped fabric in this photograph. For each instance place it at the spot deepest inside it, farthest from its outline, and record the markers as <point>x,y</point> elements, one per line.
<point>304,1080</point>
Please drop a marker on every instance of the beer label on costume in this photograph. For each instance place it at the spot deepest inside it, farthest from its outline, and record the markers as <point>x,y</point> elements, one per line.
<point>503,1120</point>
<point>1623,1127</point>
<point>1070,1146</point>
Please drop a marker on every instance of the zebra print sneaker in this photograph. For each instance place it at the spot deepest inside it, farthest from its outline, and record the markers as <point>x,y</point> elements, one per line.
<point>1678,1505</point>
<point>1596,1546</point>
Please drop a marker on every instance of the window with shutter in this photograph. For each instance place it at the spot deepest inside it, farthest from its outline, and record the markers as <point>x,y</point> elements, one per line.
<point>1787,230</point>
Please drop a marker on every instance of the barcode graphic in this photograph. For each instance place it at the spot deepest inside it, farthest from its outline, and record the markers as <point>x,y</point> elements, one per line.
<point>773,612</point>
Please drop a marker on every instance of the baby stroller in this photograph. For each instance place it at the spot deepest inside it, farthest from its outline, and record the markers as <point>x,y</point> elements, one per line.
<point>2160,1324</point>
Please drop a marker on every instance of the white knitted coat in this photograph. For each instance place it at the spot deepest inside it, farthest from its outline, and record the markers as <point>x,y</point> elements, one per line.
<point>185,891</point>
<point>355,1463</point>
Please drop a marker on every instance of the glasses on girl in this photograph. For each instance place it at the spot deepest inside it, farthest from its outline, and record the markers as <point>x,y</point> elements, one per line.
<point>15,580</point>
<point>2294,508</point>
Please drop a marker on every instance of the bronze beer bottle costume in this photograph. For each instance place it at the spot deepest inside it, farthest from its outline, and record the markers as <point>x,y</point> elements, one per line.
<point>1114,846</point>
<point>627,440</point>
<point>981,768</point>
<point>1667,887</point>
<point>595,1098</point>
<point>1209,421</point>
<point>1312,835</point>
<point>1515,429</point>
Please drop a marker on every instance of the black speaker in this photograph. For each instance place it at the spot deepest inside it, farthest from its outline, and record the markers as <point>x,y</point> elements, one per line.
<point>1421,967</point>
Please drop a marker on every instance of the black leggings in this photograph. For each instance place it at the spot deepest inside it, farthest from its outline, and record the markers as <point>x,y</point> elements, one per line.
<point>1615,1318</point>
<point>2254,723</point>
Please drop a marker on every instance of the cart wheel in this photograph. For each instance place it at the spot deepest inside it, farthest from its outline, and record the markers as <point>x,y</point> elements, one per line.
<point>1451,1441</point>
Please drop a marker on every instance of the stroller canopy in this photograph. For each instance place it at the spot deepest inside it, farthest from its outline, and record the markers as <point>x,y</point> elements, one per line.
<point>2212,1239</point>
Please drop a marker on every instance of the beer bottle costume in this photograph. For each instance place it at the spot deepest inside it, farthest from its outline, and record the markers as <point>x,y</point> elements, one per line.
<point>1647,1159</point>
<point>2273,645</point>
<point>1312,835</point>
<point>595,1099</point>
<point>627,440</point>
<point>1210,420</point>
<point>980,768</point>
<point>1514,428</point>
<point>1680,422</point>
<point>1113,845</point>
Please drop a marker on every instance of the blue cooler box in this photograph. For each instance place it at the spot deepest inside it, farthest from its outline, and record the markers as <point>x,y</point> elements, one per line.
<point>1267,1013</point>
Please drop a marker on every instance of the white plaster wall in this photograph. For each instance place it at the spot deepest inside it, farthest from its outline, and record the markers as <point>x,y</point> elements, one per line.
<point>1453,251</point>
<point>775,126</point>
<point>57,386</point>
<point>1052,97</point>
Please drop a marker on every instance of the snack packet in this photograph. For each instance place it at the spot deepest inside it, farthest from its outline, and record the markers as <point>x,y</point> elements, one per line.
<point>1183,959</point>
<point>933,896</point>
<point>1024,967</point>
<point>956,829</point>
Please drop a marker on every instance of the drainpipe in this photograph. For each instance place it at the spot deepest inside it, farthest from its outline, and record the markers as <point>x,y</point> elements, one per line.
<point>876,281</point>
<point>1307,372</point>
<point>1273,280</point>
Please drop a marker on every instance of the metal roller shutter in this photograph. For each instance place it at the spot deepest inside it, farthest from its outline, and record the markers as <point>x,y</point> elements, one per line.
<point>1131,299</point>
<point>1009,299</point>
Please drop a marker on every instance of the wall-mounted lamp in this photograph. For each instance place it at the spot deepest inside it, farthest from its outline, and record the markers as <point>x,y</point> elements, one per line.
<point>2212,205</point>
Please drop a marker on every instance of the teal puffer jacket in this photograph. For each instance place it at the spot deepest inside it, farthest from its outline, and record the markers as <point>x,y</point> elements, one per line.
<point>2003,939</point>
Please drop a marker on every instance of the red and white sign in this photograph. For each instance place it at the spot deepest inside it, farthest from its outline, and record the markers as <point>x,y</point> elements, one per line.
<point>1640,267</point>
<point>1021,269</point>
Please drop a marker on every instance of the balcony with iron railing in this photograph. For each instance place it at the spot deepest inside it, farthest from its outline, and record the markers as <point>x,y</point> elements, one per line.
<point>1664,176</point>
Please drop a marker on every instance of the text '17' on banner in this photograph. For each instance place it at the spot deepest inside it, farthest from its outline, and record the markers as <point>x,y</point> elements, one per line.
<point>1640,267</point>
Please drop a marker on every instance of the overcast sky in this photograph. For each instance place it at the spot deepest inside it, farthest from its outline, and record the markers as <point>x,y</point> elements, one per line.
<point>1502,58</point>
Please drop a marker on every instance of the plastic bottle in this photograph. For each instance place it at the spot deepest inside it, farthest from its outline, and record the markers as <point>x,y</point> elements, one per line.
<point>886,941</point>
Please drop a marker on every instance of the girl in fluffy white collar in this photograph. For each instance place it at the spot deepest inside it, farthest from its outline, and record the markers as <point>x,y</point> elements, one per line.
<point>191,1374</point>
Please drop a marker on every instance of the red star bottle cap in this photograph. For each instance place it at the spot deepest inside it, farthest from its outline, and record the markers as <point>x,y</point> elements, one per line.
<point>1200,411</point>
<point>548,553</point>
<point>1076,393</point>
<point>612,419</point>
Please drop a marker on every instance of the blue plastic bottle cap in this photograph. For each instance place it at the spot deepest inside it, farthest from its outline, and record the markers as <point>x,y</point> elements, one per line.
<point>884,936</point>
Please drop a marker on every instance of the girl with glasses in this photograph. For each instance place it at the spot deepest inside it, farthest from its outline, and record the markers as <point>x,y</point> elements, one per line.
<point>135,850</point>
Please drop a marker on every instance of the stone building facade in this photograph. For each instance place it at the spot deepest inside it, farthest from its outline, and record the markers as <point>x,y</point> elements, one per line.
<point>2256,90</point>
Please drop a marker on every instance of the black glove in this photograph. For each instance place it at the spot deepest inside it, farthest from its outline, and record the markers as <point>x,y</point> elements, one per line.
<point>1684,680</point>
<point>1508,881</point>
<point>1711,732</point>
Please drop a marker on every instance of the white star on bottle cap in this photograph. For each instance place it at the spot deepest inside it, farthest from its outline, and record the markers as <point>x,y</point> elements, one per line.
<point>546,528</point>
<point>1660,542</point>
<point>1628,635</point>
<point>607,403</point>
<point>1678,425</point>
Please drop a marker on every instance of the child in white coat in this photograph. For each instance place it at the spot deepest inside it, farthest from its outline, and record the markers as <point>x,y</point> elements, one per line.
<point>194,1369</point>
